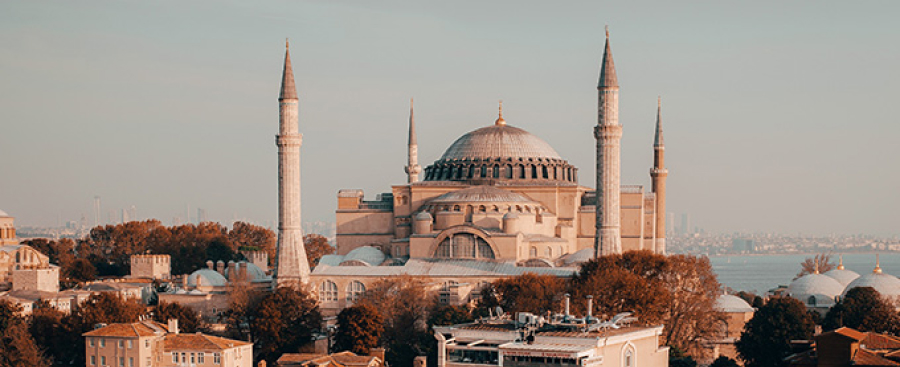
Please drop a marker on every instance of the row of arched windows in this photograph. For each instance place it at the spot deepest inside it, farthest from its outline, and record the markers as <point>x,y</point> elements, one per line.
<point>464,246</point>
<point>485,208</point>
<point>328,291</point>
<point>552,171</point>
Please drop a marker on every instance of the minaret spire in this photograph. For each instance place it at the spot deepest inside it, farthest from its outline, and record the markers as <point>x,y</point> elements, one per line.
<point>291,266</point>
<point>608,133</point>
<point>412,167</point>
<point>658,176</point>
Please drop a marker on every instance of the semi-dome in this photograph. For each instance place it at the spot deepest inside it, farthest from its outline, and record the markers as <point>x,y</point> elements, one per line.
<point>500,153</point>
<point>364,256</point>
<point>579,256</point>
<point>499,141</point>
<point>478,194</point>
<point>729,303</point>
<point>209,278</point>
<point>815,285</point>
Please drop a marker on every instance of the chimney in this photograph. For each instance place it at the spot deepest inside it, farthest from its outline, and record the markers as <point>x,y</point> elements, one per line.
<point>173,326</point>
<point>220,267</point>
<point>590,308</point>
<point>209,264</point>
<point>567,304</point>
<point>377,352</point>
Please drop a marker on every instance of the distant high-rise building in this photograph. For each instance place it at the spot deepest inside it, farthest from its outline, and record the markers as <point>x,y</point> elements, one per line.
<point>96,211</point>
<point>201,215</point>
<point>686,223</point>
<point>125,216</point>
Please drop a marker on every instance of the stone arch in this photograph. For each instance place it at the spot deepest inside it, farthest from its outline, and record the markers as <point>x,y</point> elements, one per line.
<point>629,355</point>
<point>489,251</point>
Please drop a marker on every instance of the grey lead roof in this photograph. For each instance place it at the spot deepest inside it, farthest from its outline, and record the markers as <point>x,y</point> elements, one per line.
<point>499,141</point>
<point>481,193</point>
<point>288,89</point>
<point>442,268</point>
<point>608,68</point>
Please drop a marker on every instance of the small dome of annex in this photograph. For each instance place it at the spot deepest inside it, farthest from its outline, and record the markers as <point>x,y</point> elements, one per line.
<point>843,276</point>
<point>208,278</point>
<point>579,256</point>
<point>815,285</point>
<point>730,303</point>
<point>886,284</point>
<point>364,256</point>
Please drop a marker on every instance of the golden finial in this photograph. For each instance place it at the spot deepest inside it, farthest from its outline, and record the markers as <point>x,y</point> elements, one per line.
<point>841,263</point>
<point>607,31</point>
<point>877,269</point>
<point>500,121</point>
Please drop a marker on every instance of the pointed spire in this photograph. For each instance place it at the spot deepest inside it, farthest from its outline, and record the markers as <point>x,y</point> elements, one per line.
<point>877,269</point>
<point>658,140</point>
<point>608,68</point>
<point>412,124</point>
<point>500,121</point>
<point>288,89</point>
<point>841,263</point>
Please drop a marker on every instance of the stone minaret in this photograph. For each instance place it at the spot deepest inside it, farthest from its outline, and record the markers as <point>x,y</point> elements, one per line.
<point>291,267</point>
<point>658,176</point>
<point>608,133</point>
<point>412,168</point>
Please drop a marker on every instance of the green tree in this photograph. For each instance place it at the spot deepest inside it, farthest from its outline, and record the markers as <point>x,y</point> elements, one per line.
<point>282,322</point>
<point>864,309</point>
<point>359,329</point>
<point>188,319</point>
<point>766,338</point>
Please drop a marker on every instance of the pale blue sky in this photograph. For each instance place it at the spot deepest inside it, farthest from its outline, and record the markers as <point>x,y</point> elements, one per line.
<point>779,116</point>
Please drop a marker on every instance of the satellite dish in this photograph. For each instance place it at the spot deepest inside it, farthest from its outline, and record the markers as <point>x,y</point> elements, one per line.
<point>499,311</point>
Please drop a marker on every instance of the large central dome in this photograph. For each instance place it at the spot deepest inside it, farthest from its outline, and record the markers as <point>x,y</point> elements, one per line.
<point>501,154</point>
<point>499,141</point>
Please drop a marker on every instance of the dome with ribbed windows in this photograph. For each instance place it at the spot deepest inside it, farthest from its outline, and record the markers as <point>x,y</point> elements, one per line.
<point>500,153</point>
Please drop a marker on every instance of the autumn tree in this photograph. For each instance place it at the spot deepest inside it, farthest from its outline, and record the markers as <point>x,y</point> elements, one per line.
<point>107,308</point>
<point>359,329</point>
<point>316,247</point>
<point>528,292</point>
<point>282,322</point>
<point>449,315</point>
<point>251,236</point>
<point>56,334</point>
<point>752,299</point>
<point>81,270</point>
<point>766,338</point>
<point>819,263</point>
<point>863,309</point>
<point>188,319</point>
<point>724,361</point>
<point>403,302</point>
<point>691,316</point>
<point>17,347</point>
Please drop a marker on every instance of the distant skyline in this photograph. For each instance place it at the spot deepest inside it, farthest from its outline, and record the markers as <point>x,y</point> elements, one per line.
<point>778,117</point>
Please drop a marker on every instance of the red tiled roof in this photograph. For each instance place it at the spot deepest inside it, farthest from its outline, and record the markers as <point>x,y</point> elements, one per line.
<point>200,341</point>
<point>866,358</point>
<point>135,329</point>
<point>875,341</point>
<point>850,333</point>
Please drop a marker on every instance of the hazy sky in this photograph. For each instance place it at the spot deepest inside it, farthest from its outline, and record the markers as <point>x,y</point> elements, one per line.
<point>779,116</point>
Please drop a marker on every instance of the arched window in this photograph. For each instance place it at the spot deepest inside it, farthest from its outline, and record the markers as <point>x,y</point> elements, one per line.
<point>496,170</point>
<point>533,252</point>
<point>464,246</point>
<point>544,171</point>
<point>355,290</point>
<point>534,172</point>
<point>508,171</point>
<point>812,300</point>
<point>521,171</point>
<point>628,361</point>
<point>328,291</point>
<point>484,173</point>
<point>548,252</point>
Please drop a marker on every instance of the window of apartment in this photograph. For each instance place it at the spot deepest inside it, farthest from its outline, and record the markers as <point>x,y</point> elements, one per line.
<point>103,360</point>
<point>149,362</point>
<point>91,342</point>
<point>201,358</point>
<point>121,361</point>
<point>174,357</point>
<point>193,360</point>
<point>121,344</point>
<point>102,342</point>
<point>130,344</point>
<point>183,357</point>
<point>217,358</point>
<point>130,361</point>
<point>93,360</point>
<point>147,343</point>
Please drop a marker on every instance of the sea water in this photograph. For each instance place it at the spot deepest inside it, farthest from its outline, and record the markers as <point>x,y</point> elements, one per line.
<point>760,273</point>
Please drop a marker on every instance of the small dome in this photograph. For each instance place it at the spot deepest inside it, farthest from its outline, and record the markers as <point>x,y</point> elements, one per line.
<point>482,193</point>
<point>331,260</point>
<point>729,303</point>
<point>843,276</point>
<point>365,255</point>
<point>579,256</point>
<point>886,284</point>
<point>815,285</point>
<point>511,215</point>
<point>210,278</point>
<point>424,216</point>
<point>254,273</point>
